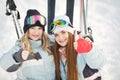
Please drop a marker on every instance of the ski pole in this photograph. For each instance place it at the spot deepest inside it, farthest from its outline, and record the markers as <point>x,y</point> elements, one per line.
<point>15,25</point>
<point>18,17</point>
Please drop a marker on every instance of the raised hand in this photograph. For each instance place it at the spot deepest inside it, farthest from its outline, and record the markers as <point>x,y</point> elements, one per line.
<point>24,53</point>
<point>76,37</point>
<point>82,45</point>
<point>88,39</point>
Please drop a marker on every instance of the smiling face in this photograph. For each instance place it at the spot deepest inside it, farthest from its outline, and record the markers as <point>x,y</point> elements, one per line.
<point>35,32</point>
<point>61,38</point>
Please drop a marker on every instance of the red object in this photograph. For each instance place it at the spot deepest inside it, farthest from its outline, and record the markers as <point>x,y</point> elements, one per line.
<point>83,46</point>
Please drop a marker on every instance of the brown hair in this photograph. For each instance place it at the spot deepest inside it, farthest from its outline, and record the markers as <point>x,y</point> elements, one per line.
<point>71,59</point>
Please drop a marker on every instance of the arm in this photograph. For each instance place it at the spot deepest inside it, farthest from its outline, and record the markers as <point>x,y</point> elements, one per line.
<point>95,58</point>
<point>7,60</point>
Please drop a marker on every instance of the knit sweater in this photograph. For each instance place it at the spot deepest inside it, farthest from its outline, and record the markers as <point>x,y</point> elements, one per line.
<point>94,58</point>
<point>32,69</point>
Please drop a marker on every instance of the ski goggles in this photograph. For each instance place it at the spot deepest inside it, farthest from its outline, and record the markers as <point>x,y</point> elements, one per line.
<point>33,19</point>
<point>60,23</point>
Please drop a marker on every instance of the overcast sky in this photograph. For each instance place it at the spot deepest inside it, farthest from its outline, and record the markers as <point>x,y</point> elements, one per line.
<point>103,17</point>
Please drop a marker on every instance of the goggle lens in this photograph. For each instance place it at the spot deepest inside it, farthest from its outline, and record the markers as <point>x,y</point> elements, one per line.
<point>33,19</point>
<point>60,23</point>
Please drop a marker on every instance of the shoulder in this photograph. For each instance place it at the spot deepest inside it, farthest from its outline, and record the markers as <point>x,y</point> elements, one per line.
<point>51,37</point>
<point>18,42</point>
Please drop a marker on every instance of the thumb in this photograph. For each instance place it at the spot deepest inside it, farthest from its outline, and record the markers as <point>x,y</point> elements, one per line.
<point>76,36</point>
<point>25,54</point>
<point>23,45</point>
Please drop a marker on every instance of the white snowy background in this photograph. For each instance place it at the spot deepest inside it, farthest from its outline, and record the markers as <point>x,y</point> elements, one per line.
<point>103,17</point>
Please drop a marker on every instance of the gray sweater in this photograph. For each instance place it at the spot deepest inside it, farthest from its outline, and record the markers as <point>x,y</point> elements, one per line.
<point>41,68</point>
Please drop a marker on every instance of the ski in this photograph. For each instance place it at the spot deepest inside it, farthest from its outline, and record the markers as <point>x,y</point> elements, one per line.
<point>70,9</point>
<point>51,14</point>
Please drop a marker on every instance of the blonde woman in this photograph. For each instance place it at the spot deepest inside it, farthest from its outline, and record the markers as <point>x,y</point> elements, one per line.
<point>31,55</point>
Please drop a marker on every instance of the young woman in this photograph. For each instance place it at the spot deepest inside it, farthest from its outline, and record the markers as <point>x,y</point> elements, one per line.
<point>31,55</point>
<point>72,54</point>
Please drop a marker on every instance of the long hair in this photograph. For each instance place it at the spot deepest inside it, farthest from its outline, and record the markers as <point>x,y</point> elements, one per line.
<point>45,42</point>
<point>71,59</point>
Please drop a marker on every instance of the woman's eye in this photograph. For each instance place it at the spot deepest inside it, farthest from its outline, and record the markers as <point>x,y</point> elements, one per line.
<point>40,28</point>
<point>56,35</point>
<point>32,28</point>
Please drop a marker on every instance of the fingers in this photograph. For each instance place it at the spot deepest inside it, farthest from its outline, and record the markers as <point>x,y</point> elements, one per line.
<point>76,37</point>
<point>75,45</point>
<point>23,46</point>
<point>88,39</point>
<point>25,54</point>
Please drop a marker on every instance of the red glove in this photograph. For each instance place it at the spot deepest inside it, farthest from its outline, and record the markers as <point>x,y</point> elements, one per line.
<point>83,46</point>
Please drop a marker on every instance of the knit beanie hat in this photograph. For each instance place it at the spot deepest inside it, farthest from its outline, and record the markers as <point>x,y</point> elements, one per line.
<point>33,18</point>
<point>67,27</point>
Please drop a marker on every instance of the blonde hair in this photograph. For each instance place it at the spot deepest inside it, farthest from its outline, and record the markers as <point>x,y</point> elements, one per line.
<point>71,59</point>
<point>45,42</point>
